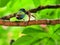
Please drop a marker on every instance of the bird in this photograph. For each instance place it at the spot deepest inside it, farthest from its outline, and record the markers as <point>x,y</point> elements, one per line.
<point>21,14</point>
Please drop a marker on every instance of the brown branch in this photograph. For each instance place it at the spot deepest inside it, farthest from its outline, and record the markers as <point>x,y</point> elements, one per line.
<point>32,22</point>
<point>45,7</point>
<point>8,17</point>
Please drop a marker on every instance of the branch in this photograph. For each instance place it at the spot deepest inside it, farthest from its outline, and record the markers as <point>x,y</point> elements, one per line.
<point>45,7</point>
<point>8,17</point>
<point>27,23</point>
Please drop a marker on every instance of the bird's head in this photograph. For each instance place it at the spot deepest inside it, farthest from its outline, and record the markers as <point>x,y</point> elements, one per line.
<point>22,9</point>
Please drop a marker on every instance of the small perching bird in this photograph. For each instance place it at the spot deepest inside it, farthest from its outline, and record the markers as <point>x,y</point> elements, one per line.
<point>21,14</point>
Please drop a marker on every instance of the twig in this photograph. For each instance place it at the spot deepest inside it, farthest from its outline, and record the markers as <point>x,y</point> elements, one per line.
<point>32,22</point>
<point>45,7</point>
<point>8,17</point>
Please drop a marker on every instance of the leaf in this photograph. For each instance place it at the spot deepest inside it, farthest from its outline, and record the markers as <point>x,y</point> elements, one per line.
<point>56,35</point>
<point>16,31</point>
<point>37,33</point>
<point>36,3</point>
<point>57,1</point>
<point>25,40</point>
<point>3,3</point>
<point>51,42</point>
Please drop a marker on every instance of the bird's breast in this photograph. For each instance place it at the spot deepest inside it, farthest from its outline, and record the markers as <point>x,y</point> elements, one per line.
<point>22,16</point>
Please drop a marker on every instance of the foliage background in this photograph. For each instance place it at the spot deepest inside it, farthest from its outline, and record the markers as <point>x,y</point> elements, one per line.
<point>35,34</point>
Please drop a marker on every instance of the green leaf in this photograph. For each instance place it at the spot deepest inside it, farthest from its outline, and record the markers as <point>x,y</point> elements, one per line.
<point>56,35</point>
<point>37,33</point>
<point>25,40</point>
<point>51,42</point>
<point>3,3</point>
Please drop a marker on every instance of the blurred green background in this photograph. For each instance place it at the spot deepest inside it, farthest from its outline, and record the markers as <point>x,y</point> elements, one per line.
<point>34,34</point>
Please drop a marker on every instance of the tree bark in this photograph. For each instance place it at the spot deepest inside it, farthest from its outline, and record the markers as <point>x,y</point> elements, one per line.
<point>27,23</point>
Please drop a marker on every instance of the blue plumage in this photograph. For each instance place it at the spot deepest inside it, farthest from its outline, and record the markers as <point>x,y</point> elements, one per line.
<point>21,14</point>
<point>21,17</point>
